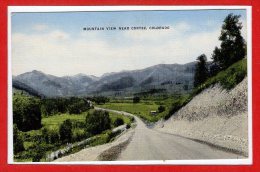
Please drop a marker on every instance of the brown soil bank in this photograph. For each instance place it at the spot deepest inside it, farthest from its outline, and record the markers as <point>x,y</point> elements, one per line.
<point>215,116</point>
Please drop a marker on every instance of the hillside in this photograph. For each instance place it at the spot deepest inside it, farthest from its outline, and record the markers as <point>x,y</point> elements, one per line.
<point>216,116</point>
<point>23,88</point>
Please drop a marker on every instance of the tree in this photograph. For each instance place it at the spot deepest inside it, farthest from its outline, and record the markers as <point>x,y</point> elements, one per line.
<point>213,69</point>
<point>26,113</point>
<point>232,47</point>
<point>136,99</point>
<point>65,131</point>
<point>201,70</point>
<point>100,100</point>
<point>78,105</point>
<point>97,122</point>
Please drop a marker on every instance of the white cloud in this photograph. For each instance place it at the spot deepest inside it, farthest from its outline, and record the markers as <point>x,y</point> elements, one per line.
<point>40,27</point>
<point>60,53</point>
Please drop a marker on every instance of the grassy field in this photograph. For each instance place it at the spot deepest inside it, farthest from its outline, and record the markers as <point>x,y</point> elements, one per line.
<point>53,122</point>
<point>141,109</point>
<point>113,116</point>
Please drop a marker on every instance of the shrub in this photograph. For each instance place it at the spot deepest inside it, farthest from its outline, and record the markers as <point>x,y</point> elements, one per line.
<point>128,126</point>
<point>102,138</point>
<point>136,99</point>
<point>65,131</point>
<point>39,152</point>
<point>118,122</point>
<point>53,137</point>
<point>18,141</point>
<point>232,78</point>
<point>161,109</point>
<point>132,119</point>
<point>78,124</point>
<point>78,134</point>
<point>97,122</point>
<point>45,135</point>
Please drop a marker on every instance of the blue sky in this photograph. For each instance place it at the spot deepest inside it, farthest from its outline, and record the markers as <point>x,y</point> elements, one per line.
<point>42,41</point>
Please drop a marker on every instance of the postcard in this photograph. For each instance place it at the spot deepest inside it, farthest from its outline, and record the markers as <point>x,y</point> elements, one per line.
<point>130,85</point>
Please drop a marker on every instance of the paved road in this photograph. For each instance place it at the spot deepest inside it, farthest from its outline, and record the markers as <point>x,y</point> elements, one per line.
<point>149,144</point>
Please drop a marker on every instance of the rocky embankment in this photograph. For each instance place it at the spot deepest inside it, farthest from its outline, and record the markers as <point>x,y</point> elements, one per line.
<point>215,116</point>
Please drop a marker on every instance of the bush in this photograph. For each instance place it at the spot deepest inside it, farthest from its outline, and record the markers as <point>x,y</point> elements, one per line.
<point>78,124</point>
<point>53,137</point>
<point>39,152</point>
<point>45,135</point>
<point>232,78</point>
<point>65,131</point>
<point>128,126</point>
<point>97,122</point>
<point>132,119</point>
<point>102,138</point>
<point>18,141</point>
<point>118,122</point>
<point>161,109</point>
<point>136,99</point>
<point>78,134</point>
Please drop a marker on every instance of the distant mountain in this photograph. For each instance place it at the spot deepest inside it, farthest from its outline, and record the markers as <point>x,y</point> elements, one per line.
<point>165,76</point>
<point>171,77</point>
<point>52,86</point>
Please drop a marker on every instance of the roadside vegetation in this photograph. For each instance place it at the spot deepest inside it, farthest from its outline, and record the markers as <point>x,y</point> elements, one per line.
<point>42,126</point>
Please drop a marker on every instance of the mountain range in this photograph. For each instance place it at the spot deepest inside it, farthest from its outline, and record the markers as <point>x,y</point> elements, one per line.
<point>168,77</point>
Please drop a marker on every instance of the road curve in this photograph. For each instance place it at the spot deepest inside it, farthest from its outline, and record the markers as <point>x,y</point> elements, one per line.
<point>149,144</point>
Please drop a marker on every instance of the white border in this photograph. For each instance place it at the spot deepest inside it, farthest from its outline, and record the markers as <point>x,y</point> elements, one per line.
<point>248,9</point>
